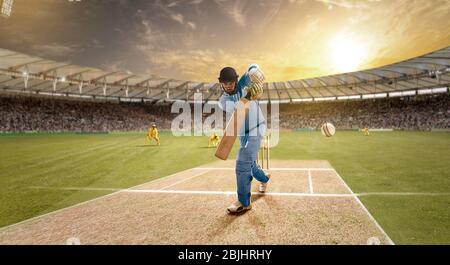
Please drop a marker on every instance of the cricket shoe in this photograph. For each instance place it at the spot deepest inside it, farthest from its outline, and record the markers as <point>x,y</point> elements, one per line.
<point>263,185</point>
<point>237,207</point>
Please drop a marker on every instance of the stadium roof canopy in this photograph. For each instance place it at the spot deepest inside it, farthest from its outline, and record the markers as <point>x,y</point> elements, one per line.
<point>23,73</point>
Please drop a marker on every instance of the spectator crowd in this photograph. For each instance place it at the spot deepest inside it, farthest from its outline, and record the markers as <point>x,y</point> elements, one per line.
<point>407,113</point>
<point>46,114</point>
<point>20,114</point>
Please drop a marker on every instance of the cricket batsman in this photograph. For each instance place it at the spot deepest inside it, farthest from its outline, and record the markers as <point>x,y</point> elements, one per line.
<point>152,134</point>
<point>251,134</point>
<point>213,140</point>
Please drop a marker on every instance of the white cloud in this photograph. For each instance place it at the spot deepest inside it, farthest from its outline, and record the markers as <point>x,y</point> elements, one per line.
<point>115,66</point>
<point>192,25</point>
<point>204,65</point>
<point>196,2</point>
<point>151,37</point>
<point>57,50</point>
<point>271,10</point>
<point>177,17</point>
<point>359,4</point>
<point>96,44</point>
<point>234,11</point>
<point>172,4</point>
<point>297,1</point>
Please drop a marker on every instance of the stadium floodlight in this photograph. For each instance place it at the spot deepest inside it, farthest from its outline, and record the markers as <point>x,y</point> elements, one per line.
<point>424,91</point>
<point>366,96</point>
<point>381,95</point>
<point>349,97</point>
<point>302,99</point>
<point>432,90</point>
<point>402,93</point>
<point>439,90</point>
<point>6,8</point>
<point>325,99</point>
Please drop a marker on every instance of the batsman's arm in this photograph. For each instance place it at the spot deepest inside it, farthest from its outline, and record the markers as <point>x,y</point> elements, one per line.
<point>252,81</point>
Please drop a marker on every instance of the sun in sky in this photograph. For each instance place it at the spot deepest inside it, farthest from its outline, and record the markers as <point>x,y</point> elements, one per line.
<point>347,53</point>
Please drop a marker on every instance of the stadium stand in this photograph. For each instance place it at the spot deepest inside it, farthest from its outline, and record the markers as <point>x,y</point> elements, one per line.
<point>404,113</point>
<point>43,114</point>
<point>48,114</point>
<point>37,94</point>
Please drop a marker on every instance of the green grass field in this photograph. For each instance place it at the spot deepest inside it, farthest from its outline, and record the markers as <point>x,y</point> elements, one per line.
<point>416,162</point>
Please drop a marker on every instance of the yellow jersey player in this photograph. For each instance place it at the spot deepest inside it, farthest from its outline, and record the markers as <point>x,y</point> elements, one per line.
<point>152,134</point>
<point>213,140</point>
<point>366,131</point>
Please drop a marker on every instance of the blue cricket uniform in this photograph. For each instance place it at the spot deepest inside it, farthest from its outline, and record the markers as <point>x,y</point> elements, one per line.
<point>250,137</point>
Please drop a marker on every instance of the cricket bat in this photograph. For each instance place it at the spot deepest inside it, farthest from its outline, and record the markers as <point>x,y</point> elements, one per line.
<point>233,128</point>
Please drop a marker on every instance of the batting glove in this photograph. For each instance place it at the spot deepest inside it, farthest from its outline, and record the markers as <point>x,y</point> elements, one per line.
<point>256,75</point>
<point>255,90</point>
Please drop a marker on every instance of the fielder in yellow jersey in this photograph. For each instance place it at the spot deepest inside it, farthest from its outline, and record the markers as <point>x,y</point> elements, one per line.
<point>213,140</point>
<point>152,134</point>
<point>366,131</point>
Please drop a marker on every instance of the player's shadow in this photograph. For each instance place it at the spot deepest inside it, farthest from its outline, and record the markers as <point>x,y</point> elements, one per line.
<point>228,219</point>
<point>146,146</point>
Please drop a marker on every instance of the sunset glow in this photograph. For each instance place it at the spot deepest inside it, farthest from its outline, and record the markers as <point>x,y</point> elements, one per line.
<point>194,39</point>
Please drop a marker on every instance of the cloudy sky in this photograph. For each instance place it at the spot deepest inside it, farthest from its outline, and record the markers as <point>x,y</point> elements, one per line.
<point>194,39</point>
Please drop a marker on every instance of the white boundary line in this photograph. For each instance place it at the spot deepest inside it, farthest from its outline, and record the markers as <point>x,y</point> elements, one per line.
<point>310,182</point>
<point>301,169</point>
<point>293,194</point>
<point>272,169</point>
<point>183,180</point>
<point>73,188</point>
<point>367,211</point>
<point>403,194</point>
<point>206,192</point>
<point>163,190</point>
<point>88,201</point>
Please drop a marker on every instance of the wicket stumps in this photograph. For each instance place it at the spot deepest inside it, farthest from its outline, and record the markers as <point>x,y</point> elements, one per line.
<point>264,153</point>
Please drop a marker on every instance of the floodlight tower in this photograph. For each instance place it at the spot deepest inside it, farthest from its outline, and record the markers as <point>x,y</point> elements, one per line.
<point>6,8</point>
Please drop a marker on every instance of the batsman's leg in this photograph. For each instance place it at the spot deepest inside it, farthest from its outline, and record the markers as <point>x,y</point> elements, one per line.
<point>244,179</point>
<point>243,172</point>
<point>244,166</point>
<point>258,173</point>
